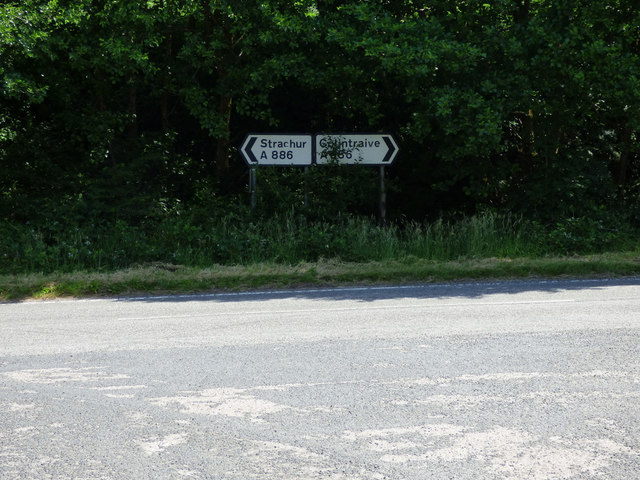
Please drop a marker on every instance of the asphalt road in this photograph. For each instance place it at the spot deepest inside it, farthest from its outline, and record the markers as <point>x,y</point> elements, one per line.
<point>508,380</point>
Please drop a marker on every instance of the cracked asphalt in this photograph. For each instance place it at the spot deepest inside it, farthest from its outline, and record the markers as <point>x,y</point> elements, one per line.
<point>490,380</point>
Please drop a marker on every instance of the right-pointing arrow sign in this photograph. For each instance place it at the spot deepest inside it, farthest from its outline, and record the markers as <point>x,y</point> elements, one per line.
<point>393,149</point>
<point>356,148</point>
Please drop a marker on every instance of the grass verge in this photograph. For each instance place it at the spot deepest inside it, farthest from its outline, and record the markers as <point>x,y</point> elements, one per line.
<point>162,278</point>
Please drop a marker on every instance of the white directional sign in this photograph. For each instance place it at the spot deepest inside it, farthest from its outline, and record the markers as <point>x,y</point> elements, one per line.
<point>277,149</point>
<point>352,149</point>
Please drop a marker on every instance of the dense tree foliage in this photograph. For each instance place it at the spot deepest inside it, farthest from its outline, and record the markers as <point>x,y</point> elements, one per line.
<point>129,111</point>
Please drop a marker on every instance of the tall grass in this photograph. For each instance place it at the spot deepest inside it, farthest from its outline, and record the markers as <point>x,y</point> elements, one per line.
<point>487,235</point>
<point>242,240</point>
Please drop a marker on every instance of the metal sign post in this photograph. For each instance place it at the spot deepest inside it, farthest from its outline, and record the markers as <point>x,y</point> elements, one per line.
<point>281,150</point>
<point>359,149</point>
<point>303,150</point>
<point>383,198</point>
<point>252,186</point>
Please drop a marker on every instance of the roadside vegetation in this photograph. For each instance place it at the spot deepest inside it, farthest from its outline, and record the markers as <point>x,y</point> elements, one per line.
<point>290,251</point>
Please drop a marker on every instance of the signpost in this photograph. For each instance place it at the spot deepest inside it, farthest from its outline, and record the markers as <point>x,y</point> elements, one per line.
<point>356,149</point>
<point>359,149</point>
<point>280,150</point>
<point>301,150</point>
<point>277,149</point>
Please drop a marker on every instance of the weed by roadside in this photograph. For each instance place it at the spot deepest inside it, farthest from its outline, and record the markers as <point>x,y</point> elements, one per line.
<point>286,239</point>
<point>177,254</point>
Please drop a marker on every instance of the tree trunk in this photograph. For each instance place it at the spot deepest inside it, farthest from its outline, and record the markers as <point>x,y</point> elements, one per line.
<point>521,13</point>
<point>622,170</point>
<point>166,84</point>
<point>222,148</point>
<point>526,147</point>
<point>132,126</point>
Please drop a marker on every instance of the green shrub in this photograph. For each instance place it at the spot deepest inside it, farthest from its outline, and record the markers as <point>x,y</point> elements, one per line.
<point>291,238</point>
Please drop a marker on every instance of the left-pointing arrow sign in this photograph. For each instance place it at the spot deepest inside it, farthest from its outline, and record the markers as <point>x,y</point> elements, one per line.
<point>277,149</point>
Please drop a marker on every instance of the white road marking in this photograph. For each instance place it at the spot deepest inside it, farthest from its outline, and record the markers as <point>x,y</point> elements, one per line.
<point>359,308</point>
<point>305,291</point>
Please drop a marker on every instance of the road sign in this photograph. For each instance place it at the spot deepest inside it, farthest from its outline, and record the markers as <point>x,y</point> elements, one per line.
<point>356,149</point>
<point>277,149</point>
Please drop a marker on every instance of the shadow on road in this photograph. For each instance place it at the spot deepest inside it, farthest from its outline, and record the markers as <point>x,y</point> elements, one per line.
<point>395,292</point>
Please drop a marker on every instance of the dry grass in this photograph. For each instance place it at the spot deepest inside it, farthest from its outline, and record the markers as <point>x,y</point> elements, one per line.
<point>160,278</point>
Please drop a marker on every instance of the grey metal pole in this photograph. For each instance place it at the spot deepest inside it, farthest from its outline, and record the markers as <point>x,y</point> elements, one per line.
<point>306,186</point>
<point>252,186</point>
<point>383,198</point>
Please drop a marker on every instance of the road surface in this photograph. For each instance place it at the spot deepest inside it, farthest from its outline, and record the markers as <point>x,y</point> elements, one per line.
<point>490,380</point>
